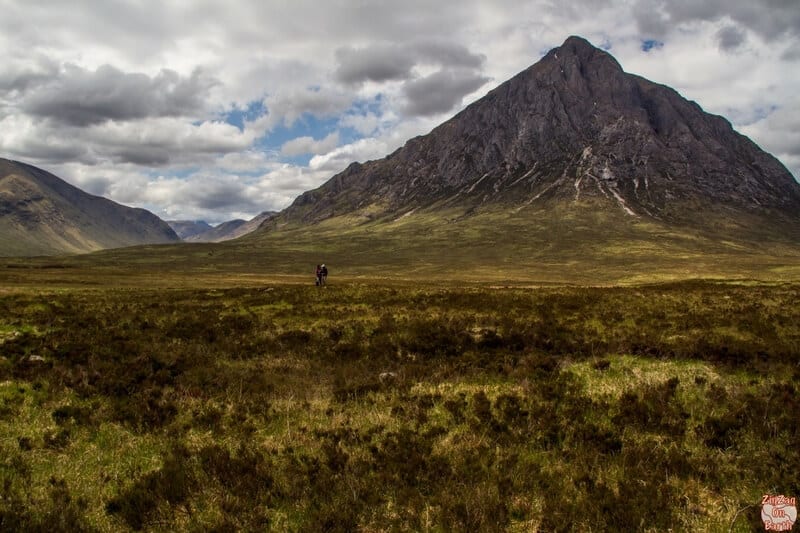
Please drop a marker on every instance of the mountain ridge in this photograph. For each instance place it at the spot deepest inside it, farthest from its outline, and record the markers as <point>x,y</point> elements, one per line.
<point>188,228</point>
<point>41,214</point>
<point>200,231</point>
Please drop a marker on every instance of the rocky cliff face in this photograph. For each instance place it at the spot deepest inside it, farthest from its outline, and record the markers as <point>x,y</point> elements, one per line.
<point>572,127</point>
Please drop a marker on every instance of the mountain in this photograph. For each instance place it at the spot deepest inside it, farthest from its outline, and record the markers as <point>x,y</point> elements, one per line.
<point>226,231</point>
<point>188,228</point>
<point>40,214</point>
<point>220,232</point>
<point>576,134</point>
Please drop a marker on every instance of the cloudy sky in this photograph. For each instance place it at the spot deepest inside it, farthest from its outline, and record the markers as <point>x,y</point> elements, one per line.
<point>211,109</point>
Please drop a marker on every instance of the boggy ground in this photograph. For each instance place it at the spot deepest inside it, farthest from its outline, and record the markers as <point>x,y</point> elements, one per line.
<point>370,408</point>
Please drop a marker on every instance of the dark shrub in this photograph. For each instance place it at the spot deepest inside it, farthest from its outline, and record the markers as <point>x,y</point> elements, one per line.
<point>436,338</point>
<point>654,409</point>
<point>70,414</point>
<point>57,439</point>
<point>248,474</point>
<point>456,408</point>
<point>172,483</point>
<point>602,364</point>
<point>720,432</point>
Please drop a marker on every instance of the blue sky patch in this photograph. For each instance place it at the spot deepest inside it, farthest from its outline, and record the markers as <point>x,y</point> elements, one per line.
<point>307,125</point>
<point>237,117</point>
<point>650,44</point>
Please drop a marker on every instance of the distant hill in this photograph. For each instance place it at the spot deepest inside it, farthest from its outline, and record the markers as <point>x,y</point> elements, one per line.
<point>188,228</point>
<point>231,229</point>
<point>573,134</point>
<point>41,214</point>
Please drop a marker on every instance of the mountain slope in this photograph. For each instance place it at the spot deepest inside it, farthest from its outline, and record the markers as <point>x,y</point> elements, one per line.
<point>40,214</point>
<point>220,232</point>
<point>229,230</point>
<point>572,130</point>
<point>188,228</point>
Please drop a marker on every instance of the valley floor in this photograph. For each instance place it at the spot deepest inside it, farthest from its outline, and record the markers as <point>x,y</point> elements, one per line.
<point>280,406</point>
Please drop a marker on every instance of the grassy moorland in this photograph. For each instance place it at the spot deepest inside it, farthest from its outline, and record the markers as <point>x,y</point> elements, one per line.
<point>553,244</point>
<point>390,407</point>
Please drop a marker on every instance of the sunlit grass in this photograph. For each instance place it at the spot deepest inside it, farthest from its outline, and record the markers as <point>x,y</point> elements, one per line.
<point>580,244</point>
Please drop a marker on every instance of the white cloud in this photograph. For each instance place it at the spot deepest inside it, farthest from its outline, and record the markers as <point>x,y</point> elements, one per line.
<point>288,107</point>
<point>308,145</point>
<point>370,148</point>
<point>246,161</point>
<point>365,124</point>
<point>781,131</point>
<point>361,150</point>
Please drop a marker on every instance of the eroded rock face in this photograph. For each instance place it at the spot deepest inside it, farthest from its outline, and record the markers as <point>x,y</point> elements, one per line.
<point>573,126</point>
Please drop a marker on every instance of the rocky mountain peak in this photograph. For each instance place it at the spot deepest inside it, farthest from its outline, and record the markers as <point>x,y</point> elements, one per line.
<point>572,128</point>
<point>578,51</point>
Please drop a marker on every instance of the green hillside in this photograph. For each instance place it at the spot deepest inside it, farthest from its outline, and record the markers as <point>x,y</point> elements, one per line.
<point>580,244</point>
<point>40,214</point>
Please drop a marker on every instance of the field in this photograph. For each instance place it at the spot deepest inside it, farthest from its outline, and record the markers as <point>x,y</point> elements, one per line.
<point>580,243</point>
<point>269,404</point>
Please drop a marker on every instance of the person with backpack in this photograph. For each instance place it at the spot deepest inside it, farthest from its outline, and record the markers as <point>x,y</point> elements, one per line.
<point>323,275</point>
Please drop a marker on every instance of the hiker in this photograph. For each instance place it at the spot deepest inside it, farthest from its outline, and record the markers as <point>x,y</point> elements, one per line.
<point>318,276</point>
<point>323,275</point>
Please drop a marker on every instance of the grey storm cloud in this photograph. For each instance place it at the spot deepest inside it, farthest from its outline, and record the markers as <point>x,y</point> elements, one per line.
<point>771,19</point>
<point>387,62</point>
<point>215,195</point>
<point>151,156</point>
<point>98,185</point>
<point>54,150</point>
<point>459,72</point>
<point>440,92</point>
<point>449,54</point>
<point>731,38</point>
<point>80,97</point>
<point>376,63</point>
<point>20,79</point>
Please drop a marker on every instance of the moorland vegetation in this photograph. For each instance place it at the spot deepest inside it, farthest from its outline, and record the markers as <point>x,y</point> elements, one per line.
<point>394,407</point>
